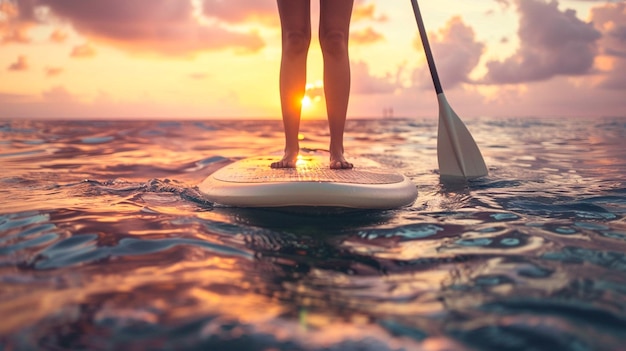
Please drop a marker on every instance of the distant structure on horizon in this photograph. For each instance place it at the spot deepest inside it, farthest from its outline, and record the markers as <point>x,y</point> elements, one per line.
<point>387,112</point>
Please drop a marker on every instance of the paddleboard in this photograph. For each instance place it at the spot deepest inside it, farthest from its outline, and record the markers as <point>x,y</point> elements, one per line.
<point>251,182</point>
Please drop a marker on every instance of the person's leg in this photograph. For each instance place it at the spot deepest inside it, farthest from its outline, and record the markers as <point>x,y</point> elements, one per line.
<point>334,31</point>
<point>295,21</point>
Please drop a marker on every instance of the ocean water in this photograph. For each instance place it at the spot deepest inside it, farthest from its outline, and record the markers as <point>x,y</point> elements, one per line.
<point>107,244</point>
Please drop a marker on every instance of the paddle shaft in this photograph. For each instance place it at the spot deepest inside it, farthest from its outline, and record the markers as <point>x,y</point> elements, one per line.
<point>457,152</point>
<point>427,51</point>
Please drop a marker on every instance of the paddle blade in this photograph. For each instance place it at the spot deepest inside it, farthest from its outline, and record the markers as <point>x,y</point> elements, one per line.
<point>457,152</point>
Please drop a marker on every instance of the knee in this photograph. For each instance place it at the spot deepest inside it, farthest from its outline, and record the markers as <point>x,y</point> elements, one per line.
<point>296,42</point>
<point>334,43</point>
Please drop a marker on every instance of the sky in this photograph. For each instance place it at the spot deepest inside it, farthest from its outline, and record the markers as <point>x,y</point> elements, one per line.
<point>182,59</point>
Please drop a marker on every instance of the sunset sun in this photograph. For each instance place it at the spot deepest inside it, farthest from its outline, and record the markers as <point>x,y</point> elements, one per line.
<point>306,102</point>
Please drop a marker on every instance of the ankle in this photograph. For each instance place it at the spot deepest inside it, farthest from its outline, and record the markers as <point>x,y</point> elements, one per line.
<point>336,149</point>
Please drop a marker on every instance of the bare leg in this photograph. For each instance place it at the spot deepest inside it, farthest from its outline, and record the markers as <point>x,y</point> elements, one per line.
<point>334,31</point>
<point>295,21</point>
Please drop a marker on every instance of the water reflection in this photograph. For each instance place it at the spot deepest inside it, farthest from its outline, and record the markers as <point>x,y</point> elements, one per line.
<point>106,243</point>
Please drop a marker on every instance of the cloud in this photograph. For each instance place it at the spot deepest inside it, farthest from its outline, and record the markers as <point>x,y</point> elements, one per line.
<point>266,11</point>
<point>12,29</point>
<point>198,76</point>
<point>363,11</point>
<point>314,91</point>
<point>20,65</point>
<point>610,19</point>
<point>57,94</point>
<point>8,10</point>
<point>552,42</point>
<point>366,36</point>
<point>503,3</point>
<point>26,10</point>
<point>58,36</point>
<point>10,99</point>
<point>83,51</point>
<point>16,34</point>
<point>456,50</point>
<point>363,82</point>
<point>53,71</point>
<point>240,11</point>
<point>169,27</point>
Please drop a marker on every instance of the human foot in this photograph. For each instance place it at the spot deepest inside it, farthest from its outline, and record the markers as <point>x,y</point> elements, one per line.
<point>339,162</point>
<point>288,161</point>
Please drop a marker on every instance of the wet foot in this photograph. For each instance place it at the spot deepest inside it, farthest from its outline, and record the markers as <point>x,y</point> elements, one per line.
<point>288,161</point>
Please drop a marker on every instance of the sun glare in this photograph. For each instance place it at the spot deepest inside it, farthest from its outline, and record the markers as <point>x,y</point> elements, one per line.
<point>313,95</point>
<point>306,102</point>
<point>300,161</point>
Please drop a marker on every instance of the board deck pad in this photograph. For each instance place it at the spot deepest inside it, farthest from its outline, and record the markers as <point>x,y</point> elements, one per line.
<point>312,168</point>
<point>251,182</point>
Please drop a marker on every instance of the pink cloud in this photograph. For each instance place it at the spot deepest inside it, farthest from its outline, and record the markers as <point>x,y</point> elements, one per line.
<point>7,99</point>
<point>83,51</point>
<point>58,36</point>
<point>16,34</point>
<point>26,10</point>
<point>20,65</point>
<point>456,51</point>
<point>161,26</point>
<point>12,28</point>
<point>363,82</point>
<point>53,71</point>
<point>266,11</point>
<point>610,19</point>
<point>552,42</point>
<point>240,11</point>
<point>57,94</point>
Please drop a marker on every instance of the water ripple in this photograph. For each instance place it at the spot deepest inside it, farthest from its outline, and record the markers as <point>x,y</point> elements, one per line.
<point>107,243</point>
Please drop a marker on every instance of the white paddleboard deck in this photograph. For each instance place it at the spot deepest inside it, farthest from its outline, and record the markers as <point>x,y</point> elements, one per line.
<point>251,182</point>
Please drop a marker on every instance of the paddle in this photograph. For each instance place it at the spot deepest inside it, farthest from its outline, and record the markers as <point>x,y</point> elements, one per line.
<point>457,152</point>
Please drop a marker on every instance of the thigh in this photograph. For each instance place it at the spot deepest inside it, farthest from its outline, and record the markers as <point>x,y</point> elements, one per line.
<point>295,16</point>
<point>335,16</point>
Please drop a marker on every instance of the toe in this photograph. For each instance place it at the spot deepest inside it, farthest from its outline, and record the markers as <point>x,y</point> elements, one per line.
<point>341,165</point>
<point>283,164</point>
